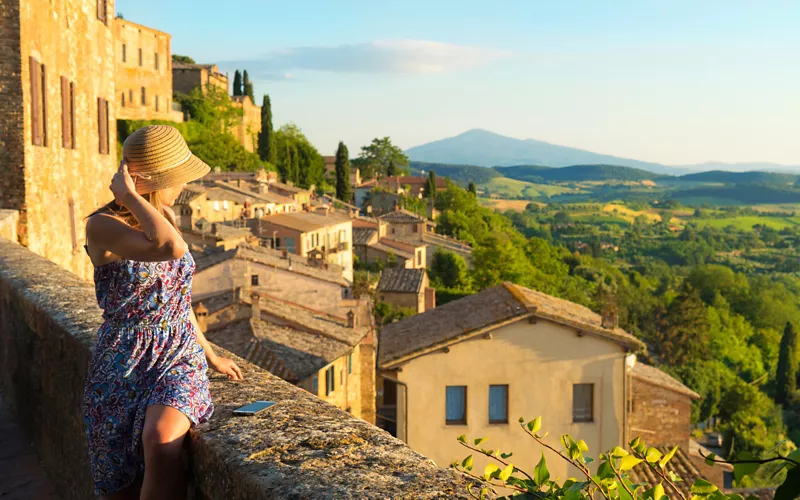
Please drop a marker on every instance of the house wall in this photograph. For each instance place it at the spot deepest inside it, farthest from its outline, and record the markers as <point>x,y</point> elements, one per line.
<point>354,391</point>
<point>225,210</point>
<point>659,416</point>
<point>372,254</point>
<point>415,301</point>
<point>540,363</point>
<point>404,229</point>
<point>247,129</point>
<point>186,79</point>
<point>54,187</point>
<point>131,77</point>
<point>286,285</point>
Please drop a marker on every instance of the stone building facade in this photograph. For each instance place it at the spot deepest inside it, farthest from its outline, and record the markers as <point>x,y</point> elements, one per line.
<point>58,114</point>
<point>186,77</point>
<point>144,73</point>
<point>249,126</point>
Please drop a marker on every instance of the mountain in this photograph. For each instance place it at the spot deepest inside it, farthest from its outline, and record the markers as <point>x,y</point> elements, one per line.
<point>576,173</point>
<point>487,149</point>
<point>741,177</point>
<point>741,167</point>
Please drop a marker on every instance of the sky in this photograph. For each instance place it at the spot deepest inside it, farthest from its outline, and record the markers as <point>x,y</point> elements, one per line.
<point>673,81</point>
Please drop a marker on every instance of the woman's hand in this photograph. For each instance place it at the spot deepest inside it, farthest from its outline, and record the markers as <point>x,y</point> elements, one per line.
<point>122,184</point>
<point>227,367</point>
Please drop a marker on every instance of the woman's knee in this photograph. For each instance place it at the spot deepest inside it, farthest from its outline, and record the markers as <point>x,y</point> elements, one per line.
<point>164,432</point>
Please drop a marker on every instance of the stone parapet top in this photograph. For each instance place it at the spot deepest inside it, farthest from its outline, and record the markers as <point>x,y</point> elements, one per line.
<point>301,447</point>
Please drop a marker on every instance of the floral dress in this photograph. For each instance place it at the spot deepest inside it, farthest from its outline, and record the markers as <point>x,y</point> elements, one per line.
<point>146,354</point>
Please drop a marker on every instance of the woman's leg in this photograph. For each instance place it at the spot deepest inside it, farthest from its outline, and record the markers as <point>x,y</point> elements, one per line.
<point>162,437</point>
<point>132,492</point>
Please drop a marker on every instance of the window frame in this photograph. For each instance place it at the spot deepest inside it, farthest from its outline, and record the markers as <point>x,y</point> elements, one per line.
<point>495,421</point>
<point>462,421</point>
<point>350,363</point>
<point>144,96</point>
<point>583,420</point>
<point>124,52</point>
<point>254,280</point>
<point>330,380</point>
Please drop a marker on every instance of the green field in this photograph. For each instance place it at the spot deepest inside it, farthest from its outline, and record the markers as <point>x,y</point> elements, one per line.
<point>511,188</point>
<point>747,222</point>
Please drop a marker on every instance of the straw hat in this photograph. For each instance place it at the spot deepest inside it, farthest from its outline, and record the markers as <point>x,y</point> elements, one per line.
<point>159,158</point>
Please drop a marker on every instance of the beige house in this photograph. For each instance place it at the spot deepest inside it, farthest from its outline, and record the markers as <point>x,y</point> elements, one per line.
<point>406,227</point>
<point>371,245</point>
<point>329,356</point>
<point>220,201</point>
<point>249,126</point>
<point>143,73</point>
<point>327,237</point>
<point>58,130</point>
<point>406,288</point>
<point>475,365</point>
<point>288,279</point>
<point>412,185</point>
<point>187,77</point>
<point>217,237</point>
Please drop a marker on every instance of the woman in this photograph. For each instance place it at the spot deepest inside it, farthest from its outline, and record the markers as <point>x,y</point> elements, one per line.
<point>147,381</point>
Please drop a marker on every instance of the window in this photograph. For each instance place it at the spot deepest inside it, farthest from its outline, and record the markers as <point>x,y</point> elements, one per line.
<point>290,244</point>
<point>144,96</point>
<point>156,103</point>
<point>498,404</point>
<point>102,125</point>
<point>102,10</point>
<point>456,405</point>
<point>225,204</point>
<point>123,99</point>
<point>583,403</point>
<point>73,229</point>
<point>216,206</point>
<point>315,385</point>
<point>124,52</point>
<point>253,280</point>
<point>414,228</point>
<point>330,383</point>
<point>141,58</point>
<point>38,80</point>
<point>350,363</point>
<point>67,113</point>
<point>155,55</point>
<point>419,258</point>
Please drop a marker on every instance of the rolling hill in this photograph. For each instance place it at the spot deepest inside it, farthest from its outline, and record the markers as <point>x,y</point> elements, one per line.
<point>461,174</point>
<point>741,177</point>
<point>576,173</point>
<point>487,149</point>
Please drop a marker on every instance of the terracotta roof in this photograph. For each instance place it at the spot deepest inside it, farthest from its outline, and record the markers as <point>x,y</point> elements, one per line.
<point>401,280</point>
<point>381,247</point>
<point>189,194</point>
<point>401,245</point>
<point>269,197</point>
<point>271,258</point>
<point>361,221</point>
<point>401,217</point>
<point>363,235</point>
<point>653,375</point>
<point>501,303</point>
<point>305,221</point>
<point>289,353</point>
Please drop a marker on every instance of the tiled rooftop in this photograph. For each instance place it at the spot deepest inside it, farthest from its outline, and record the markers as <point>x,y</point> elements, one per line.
<point>305,221</point>
<point>657,377</point>
<point>401,217</point>
<point>401,280</point>
<point>489,307</point>
<point>363,235</point>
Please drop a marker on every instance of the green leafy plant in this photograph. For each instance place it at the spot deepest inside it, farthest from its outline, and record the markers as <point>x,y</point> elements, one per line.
<point>611,479</point>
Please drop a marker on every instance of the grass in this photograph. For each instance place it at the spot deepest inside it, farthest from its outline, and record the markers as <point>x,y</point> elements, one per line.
<point>746,223</point>
<point>512,188</point>
<point>503,205</point>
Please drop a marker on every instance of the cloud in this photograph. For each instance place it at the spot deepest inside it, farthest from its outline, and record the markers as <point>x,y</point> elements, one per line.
<point>408,57</point>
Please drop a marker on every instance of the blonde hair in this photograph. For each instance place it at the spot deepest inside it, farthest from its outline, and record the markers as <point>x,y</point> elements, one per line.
<point>121,212</point>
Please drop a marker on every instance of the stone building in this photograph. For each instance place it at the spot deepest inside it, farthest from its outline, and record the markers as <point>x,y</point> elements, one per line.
<point>406,288</point>
<point>332,357</point>
<point>58,130</point>
<point>187,77</point>
<point>249,126</point>
<point>430,390</point>
<point>143,73</point>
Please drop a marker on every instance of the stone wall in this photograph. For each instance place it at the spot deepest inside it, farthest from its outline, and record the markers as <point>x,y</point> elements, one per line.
<point>249,126</point>
<point>300,448</point>
<point>54,185</point>
<point>658,415</point>
<point>154,74</point>
<point>9,224</point>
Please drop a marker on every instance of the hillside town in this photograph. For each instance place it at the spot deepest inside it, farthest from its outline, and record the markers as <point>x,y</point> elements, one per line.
<point>337,297</point>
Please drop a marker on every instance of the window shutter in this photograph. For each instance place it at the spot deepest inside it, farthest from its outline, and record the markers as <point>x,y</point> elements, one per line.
<point>43,90</point>
<point>72,115</point>
<point>36,134</point>
<point>73,229</point>
<point>105,122</point>
<point>102,130</point>
<point>65,133</point>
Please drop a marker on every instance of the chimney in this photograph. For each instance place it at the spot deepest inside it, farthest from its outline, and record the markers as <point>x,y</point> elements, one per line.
<point>351,319</point>
<point>430,299</point>
<point>255,307</point>
<point>263,188</point>
<point>201,313</point>
<point>610,316</point>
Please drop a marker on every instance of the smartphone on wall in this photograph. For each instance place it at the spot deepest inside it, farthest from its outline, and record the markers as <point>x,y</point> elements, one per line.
<point>253,408</point>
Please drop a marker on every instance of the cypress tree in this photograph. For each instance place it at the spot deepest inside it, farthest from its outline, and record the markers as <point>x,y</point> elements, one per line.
<point>294,171</point>
<point>247,87</point>
<point>285,164</point>
<point>342,173</point>
<point>472,189</point>
<point>430,187</point>
<point>786,373</point>
<point>266,137</point>
<point>237,83</point>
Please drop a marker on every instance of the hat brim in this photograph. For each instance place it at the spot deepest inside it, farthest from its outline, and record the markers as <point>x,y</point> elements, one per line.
<point>192,169</point>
